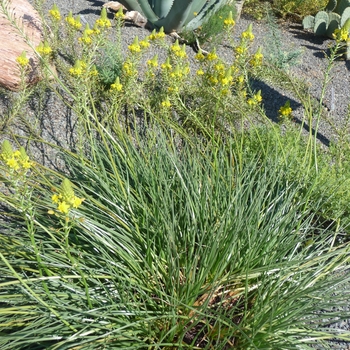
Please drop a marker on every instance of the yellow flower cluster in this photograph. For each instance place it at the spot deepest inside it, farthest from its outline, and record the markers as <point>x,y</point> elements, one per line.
<point>285,111</point>
<point>73,22</point>
<point>341,34</point>
<point>212,56</point>
<point>229,21</point>
<point>129,69</point>
<point>44,49</point>
<point>120,14</point>
<point>66,198</point>
<point>55,13</point>
<point>179,51</point>
<point>15,160</point>
<point>257,58</point>
<point>256,99</point>
<point>87,33</point>
<point>135,47</point>
<point>22,60</point>
<point>166,65</point>
<point>103,22</point>
<point>153,63</point>
<point>248,34</point>
<point>78,69</point>
<point>117,86</point>
<point>155,36</point>
<point>166,103</point>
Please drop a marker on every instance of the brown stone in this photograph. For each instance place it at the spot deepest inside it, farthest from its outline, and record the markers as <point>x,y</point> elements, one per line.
<point>23,32</point>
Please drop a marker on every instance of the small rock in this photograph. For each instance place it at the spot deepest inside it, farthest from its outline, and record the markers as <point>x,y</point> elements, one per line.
<point>22,33</point>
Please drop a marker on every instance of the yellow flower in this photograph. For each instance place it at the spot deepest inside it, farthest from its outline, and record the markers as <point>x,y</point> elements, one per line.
<point>195,13</point>
<point>285,111</point>
<point>103,21</point>
<point>77,202</point>
<point>199,56</point>
<point>22,60</point>
<point>44,49</point>
<point>13,163</point>
<point>166,65</point>
<point>248,34</point>
<point>258,97</point>
<point>240,50</point>
<point>257,58</point>
<point>200,72</point>
<point>117,86</point>
<point>78,68</point>
<point>175,47</point>
<point>341,35</point>
<point>63,207</point>
<point>212,56</point>
<point>153,62</point>
<point>55,13</point>
<point>166,103</point>
<point>229,22</point>
<point>119,14</point>
<point>145,43</point>
<point>154,35</point>
<point>73,22</point>
<point>56,198</point>
<point>182,52</point>
<point>135,46</point>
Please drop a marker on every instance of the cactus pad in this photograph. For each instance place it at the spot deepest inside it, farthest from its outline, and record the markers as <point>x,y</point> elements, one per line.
<point>309,22</point>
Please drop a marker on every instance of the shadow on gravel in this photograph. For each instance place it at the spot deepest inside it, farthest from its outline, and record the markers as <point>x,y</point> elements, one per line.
<point>273,100</point>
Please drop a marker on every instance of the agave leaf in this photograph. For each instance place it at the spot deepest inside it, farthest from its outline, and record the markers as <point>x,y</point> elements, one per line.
<point>208,9</point>
<point>176,17</point>
<point>132,5</point>
<point>148,11</point>
<point>162,7</point>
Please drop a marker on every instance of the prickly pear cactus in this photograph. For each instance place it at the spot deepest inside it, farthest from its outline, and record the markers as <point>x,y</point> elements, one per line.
<point>335,14</point>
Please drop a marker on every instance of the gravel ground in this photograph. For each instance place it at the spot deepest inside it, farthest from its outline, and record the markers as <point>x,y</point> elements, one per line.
<point>57,124</point>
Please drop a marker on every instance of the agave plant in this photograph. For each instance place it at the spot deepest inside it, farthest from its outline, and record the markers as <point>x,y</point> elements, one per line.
<point>175,15</point>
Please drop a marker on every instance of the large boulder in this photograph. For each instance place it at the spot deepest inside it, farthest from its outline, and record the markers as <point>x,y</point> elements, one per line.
<point>23,32</point>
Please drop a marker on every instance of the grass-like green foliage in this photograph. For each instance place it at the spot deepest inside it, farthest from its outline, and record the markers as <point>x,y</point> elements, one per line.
<point>172,249</point>
<point>184,224</point>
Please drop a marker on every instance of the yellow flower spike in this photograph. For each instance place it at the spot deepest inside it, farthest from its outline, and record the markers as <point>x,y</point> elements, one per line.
<point>77,24</point>
<point>258,97</point>
<point>67,191</point>
<point>227,79</point>
<point>117,86</point>
<point>55,13</point>
<point>144,44</point>
<point>285,111</point>
<point>135,46</point>
<point>175,47</point>
<point>22,60</point>
<point>120,14</point>
<point>199,56</point>
<point>70,19</point>
<point>248,34</point>
<point>6,150</point>
<point>78,68</point>
<point>200,72</point>
<point>85,39</point>
<point>182,53</point>
<point>166,65</point>
<point>340,35</point>
<point>153,62</point>
<point>160,34</point>
<point>229,22</point>
<point>103,21</point>
<point>96,29</point>
<point>257,58</point>
<point>153,35</point>
<point>166,103</point>
<point>24,159</point>
<point>212,56</point>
